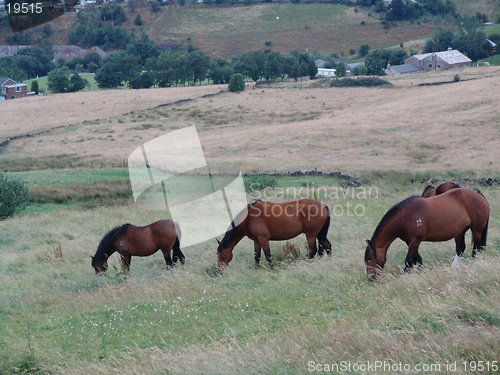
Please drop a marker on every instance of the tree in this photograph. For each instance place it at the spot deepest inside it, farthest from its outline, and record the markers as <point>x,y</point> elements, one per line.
<point>237,83</point>
<point>58,79</point>
<point>117,69</point>
<point>341,70</point>
<point>440,42</point>
<point>92,60</point>
<point>138,20</point>
<point>34,87</point>
<point>221,71</point>
<point>364,49</point>
<point>114,13</point>
<point>14,196</point>
<point>360,70</point>
<point>155,7</point>
<point>76,83</point>
<point>198,63</point>
<point>375,63</point>
<point>143,48</point>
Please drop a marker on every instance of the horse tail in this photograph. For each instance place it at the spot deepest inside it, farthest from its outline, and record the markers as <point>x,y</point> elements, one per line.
<point>324,230</point>
<point>177,253</point>
<point>484,234</point>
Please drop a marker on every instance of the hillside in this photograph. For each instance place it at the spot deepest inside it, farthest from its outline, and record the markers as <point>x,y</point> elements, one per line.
<point>228,31</point>
<point>404,127</point>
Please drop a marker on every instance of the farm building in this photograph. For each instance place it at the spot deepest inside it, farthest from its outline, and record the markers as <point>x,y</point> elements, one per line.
<point>10,89</point>
<point>326,73</point>
<point>450,59</point>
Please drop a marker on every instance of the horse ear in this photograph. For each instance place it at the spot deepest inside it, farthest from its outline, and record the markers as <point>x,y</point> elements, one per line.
<point>369,243</point>
<point>91,257</point>
<point>218,242</point>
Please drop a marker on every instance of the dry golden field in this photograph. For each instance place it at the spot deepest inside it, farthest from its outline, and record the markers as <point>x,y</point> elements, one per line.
<point>283,127</point>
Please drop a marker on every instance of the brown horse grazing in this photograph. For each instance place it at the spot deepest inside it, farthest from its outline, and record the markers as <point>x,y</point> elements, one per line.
<point>431,191</point>
<point>267,221</point>
<point>440,218</point>
<point>129,240</point>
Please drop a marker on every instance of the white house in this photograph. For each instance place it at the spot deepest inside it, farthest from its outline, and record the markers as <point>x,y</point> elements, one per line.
<point>326,73</point>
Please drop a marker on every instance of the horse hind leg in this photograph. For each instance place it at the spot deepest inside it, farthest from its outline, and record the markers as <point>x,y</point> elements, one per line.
<point>324,245</point>
<point>311,244</point>
<point>267,251</point>
<point>177,253</point>
<point>479,240</point>
<point>168,259</point>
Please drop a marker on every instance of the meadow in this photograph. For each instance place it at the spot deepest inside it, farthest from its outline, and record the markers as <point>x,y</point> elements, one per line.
<point>58,317</point>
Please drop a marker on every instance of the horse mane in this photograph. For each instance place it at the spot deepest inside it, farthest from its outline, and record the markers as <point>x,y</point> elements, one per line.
<point>389,214</point>
<point>228,237</point>
<point>108,241</point>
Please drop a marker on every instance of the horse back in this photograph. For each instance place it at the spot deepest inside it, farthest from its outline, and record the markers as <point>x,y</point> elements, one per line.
<point>460,205</point>
<point>286,220</point>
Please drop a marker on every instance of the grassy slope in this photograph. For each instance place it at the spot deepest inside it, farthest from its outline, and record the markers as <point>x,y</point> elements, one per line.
<point>43,83</point>
<point>304,27</point>
<point>58,317</point>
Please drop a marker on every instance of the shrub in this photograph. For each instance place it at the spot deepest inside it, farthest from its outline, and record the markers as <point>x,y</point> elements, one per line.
<point>34,86</point>
<point>14,196</point>
<point>236,83</point>
<point>361,82</point>
<point>259,182</point>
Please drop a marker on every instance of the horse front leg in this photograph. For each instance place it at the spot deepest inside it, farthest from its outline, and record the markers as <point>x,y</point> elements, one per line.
<point>413,257</point>
<point>257,250</point>
<point>125,260</point>
<point>267,251</point>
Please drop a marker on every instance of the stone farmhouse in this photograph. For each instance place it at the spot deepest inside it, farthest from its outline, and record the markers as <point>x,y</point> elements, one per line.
<point>450,59</point>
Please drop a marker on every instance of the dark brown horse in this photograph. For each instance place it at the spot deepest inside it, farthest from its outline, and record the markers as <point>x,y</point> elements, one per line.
<point>267,221</point>
<point>431,191</point>
<point>129,240</point>
<point>440,218</point>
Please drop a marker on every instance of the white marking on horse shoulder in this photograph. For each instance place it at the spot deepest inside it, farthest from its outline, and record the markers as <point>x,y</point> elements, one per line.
<point>419,222</point>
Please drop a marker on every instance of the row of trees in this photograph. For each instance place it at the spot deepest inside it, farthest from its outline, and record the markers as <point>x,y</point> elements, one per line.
<point>29,62</point>
<point>142,65</point>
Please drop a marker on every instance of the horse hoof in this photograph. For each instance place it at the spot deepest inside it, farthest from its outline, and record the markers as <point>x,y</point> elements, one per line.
<point>456,261</point>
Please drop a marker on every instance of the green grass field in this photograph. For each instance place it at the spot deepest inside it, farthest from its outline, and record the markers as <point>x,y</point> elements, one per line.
<point>59,318</point>
<point>43,83</point>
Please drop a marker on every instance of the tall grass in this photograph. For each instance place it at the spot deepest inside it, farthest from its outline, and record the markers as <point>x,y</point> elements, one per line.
<point>58,317</point>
